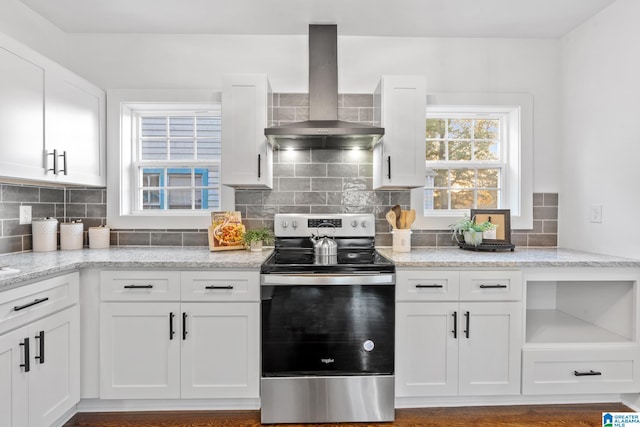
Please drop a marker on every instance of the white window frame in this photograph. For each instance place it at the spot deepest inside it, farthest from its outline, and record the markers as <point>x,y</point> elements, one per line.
<point>517,190</point>
<point>122,105</point>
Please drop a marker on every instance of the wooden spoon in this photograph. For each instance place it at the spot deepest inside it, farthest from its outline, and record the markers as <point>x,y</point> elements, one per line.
<point>403,219</point>
<point>391,219</point>
<point>398,213</point>
<point>411,217</point>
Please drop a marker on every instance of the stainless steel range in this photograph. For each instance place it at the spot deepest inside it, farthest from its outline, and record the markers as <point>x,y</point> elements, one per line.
<point>328,322</point>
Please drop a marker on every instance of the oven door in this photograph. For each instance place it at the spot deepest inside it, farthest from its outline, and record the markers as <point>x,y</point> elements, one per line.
<point>327,325</point>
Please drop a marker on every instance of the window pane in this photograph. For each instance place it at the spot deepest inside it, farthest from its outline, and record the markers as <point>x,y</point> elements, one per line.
<point>441,178</point>
<point>488,178</point>
<point>440,199</point>
<point>461,199</point>
<point>460,150</point>
<point>179,178</point>
<point>150,178</point>
<point>487,129</point>
<point>460,128</point>
<point>182,149</point>
<point>208,127</point>
<point>436,128</point>
<point>488,199</point>
<point>487,150</point>
<point>208,149</point>
<point>462,178</point>
<point>181,126</point>
<point>154,149</point>
<point>153,126</point>
<point>151,199</point>
<point>179,199</point>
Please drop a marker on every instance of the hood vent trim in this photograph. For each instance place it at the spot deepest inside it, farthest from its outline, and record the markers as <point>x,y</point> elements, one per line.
<point>323,130</point>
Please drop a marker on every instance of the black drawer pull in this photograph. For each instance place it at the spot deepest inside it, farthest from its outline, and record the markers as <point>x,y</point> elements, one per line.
<point>26,365</point>
<point>40,338</point>
<point>429,286</point>
<point>184,326</point>
<point>138,286</point>
<point>467,322</point>
<point>493,286</point>
<point>171,331</point>
<point>591,373</point>
<point>32,303</point>
<point>218,287</point>
<point>389,166</point>
<point>455,324</point>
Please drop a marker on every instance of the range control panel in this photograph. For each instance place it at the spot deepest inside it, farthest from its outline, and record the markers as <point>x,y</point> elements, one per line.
<point>340,225</point>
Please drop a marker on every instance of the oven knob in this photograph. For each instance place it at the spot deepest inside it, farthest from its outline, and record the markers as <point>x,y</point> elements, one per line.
<point>354,223</point>
<point>364,224</point>
<point>368,345</point>
<point>294,224</point>
<point>285,224</point>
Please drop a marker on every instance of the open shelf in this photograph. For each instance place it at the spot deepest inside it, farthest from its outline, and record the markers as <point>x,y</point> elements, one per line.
<point>580,311</point>
<point>555,326</point>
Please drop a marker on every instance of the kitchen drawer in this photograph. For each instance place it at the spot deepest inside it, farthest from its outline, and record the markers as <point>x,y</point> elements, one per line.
<point>490,285</point>
<point>560,371</point>
<point>219,285</point>
<point>427,285</point>
<point>139,285</point>
<point>22,305</point>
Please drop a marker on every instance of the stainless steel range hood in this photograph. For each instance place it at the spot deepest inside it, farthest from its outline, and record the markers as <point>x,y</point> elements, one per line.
<point>323,129</point>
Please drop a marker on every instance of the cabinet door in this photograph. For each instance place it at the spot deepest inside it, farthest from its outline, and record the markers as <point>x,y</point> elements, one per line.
<point>21,116</point>
<point>490,343</point>
<point>54,380</point>
<point>426,349</point>
<point>139,354</point>
<point>247,157</point>
<point>399,158</point>
<point>220,354</point>
<point>74,120</point>
<point>14,385</point>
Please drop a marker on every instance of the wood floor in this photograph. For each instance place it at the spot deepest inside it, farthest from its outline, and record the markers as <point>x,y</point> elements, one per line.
<point>511,416</point>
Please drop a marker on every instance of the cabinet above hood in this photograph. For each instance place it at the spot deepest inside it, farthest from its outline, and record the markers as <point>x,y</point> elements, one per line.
<point>323,130</point>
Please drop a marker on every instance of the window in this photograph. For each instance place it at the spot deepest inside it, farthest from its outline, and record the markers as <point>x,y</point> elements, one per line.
<point>178,161</point>
<point>164,159</point>
<point>478,156</point>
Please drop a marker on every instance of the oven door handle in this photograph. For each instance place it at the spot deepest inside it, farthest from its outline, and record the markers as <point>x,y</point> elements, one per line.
<point>328,279</point>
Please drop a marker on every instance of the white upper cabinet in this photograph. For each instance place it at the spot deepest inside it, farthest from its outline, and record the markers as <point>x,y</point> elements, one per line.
<point>247,156</point>
<point>74,128</point>
<point>51,121</point>
<point>400,107</point>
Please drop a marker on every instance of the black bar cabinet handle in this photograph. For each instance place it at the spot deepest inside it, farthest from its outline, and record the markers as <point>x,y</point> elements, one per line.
<point>26,365</point>
<point>259,158</point>
<point>171,331</point>
<point>218,287</point>
<point>429,286</point>
<point>389,167</point>
<point>40,338</point>
<point>586,374</point>
<point>455,324</point>
<point>30,304</point>
<point>138,286</point>
<point>493,286</point>
<point>466,330</point>
<point>184,325</point>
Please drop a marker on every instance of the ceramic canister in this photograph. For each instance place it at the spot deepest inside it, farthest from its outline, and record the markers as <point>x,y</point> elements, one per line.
<point>71,234</point>
<point>44,234</point>
<point>99,237</point>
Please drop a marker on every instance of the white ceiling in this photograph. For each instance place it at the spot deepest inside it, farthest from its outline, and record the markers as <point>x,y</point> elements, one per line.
<point>409,18</point>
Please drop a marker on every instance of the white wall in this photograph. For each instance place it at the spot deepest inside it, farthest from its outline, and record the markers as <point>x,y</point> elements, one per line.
<point>601,142</point>
<point>456,65</point>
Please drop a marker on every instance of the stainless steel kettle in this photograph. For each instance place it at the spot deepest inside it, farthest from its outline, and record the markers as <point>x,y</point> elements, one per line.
<point>325,248</point>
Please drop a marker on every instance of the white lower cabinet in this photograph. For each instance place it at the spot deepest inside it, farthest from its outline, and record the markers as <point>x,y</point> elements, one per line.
<point>456,348</point>
<point>39,366</point>
<point>181,349</point>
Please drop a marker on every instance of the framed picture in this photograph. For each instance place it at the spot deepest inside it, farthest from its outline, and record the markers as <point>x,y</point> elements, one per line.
<point>501,218</point>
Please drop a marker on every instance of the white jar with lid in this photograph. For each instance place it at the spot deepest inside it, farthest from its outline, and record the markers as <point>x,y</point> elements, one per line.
<point>44,233</point>
<point>99,237</point>
<point>71,234</point>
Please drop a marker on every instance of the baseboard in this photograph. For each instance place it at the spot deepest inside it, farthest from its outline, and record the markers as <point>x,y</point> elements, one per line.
<point>453,401</point>
<point>116,405</point>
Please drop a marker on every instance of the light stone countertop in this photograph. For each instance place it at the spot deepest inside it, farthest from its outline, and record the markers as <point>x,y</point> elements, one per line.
<point>33,266</point>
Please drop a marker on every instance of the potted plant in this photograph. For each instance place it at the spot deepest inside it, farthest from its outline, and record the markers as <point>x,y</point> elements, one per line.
<point>470,230</point>
<point>254,239</point>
